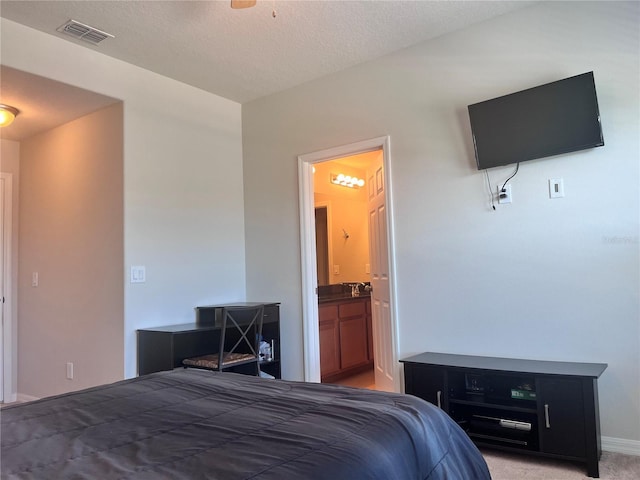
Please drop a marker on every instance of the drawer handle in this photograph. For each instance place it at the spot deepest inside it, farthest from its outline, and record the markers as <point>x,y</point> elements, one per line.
<point>546,415</point>
<point>439,397</point>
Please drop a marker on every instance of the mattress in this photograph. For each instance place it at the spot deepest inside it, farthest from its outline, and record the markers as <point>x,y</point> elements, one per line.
<point>192,424</point>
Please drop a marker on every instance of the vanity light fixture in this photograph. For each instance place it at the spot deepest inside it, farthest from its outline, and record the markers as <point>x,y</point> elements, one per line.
<point>346,180</point>
<point>7,114</point>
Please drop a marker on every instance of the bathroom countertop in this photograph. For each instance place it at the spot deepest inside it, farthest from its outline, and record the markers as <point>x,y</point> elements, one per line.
<point>341,297</point>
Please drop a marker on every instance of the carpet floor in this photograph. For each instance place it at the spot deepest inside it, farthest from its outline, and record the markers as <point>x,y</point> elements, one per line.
<point>506,466</point>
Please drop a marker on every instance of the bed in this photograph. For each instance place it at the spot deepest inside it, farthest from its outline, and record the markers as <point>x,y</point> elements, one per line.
<point>191,424</point>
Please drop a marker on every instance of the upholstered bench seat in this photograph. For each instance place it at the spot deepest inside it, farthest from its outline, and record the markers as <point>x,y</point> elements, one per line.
<point>240,334</point>
<point>211,361</point>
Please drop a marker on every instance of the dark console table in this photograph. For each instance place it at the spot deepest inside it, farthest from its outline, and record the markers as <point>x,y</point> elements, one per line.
<point>164,348</point>
<point>538,407</point>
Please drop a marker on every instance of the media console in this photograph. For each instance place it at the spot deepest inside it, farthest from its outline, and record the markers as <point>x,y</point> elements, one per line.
<point>537,407</point>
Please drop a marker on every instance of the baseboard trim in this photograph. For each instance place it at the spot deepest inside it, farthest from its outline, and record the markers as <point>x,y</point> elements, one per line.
<point>620,445</point>
<point>10,398</point>
<point>26,398</point>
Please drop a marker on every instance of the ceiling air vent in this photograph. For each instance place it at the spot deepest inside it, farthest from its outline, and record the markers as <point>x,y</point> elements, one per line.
<point>84,32</point>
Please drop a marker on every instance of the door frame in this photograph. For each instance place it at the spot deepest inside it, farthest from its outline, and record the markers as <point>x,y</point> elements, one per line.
<point>311,337</point>
<point>8,394</point>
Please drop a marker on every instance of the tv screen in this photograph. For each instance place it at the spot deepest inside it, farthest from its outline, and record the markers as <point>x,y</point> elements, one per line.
<point>550,119</point>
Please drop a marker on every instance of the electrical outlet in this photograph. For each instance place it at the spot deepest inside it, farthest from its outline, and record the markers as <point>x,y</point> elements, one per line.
<point>556,188</point>
<point>69,371</point>
<point>504,196</point>
<point>34,279</point>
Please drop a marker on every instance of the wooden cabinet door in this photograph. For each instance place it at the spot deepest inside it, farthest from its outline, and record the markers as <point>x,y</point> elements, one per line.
<point>353,341</point>
<point>561,416</point>
<point>329,340</point>
<point>426,382</point>
<point>154,352</point>
<point>353,334</point>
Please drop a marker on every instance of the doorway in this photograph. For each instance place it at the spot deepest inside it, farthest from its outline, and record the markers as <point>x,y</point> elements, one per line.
<point>383,293</point>
<point>344,301</point>
<point>6,325</point>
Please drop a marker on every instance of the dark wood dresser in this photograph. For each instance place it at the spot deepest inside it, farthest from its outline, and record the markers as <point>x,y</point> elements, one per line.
<point>164,348</point>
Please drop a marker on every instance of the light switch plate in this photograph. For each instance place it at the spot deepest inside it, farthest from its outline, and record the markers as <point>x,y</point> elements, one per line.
<point>138,274</point>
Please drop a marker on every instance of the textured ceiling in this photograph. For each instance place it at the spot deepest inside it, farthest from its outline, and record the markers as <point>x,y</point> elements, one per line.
<point>246,54</point>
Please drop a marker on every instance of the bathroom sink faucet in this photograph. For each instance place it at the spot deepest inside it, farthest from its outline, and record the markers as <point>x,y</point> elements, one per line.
<point>355,288</point>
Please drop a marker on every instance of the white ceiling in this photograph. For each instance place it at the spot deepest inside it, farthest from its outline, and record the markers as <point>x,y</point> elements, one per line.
<point>246,54</point>
<point>43,103</point>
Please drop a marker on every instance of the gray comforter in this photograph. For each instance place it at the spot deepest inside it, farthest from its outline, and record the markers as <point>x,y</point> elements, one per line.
<point>192,424</point>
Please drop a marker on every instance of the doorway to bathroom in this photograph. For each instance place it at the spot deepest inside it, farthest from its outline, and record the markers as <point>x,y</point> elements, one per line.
<point>343,270</point>
<point>377,278</point>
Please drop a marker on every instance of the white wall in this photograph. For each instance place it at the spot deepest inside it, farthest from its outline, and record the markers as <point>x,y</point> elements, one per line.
<point>183,192</point>
<point>540,278</point>
<point>347,211</point>
<point>71,234</point>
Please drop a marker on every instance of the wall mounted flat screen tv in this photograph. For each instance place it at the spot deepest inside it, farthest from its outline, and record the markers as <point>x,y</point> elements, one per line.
<point>550,119</point>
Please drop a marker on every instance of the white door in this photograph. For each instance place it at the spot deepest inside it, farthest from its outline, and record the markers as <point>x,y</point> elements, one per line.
<point>2,261</point>
<point>6,347</point>
<point>383,340</point>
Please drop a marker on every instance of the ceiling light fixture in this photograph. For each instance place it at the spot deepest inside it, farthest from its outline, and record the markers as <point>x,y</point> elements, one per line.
<point>242,3</point>
<point>346,180</point>
<point>7,115</point>
<point>238,4</point>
